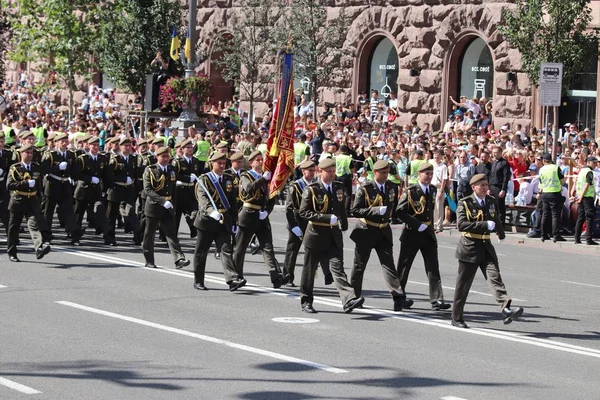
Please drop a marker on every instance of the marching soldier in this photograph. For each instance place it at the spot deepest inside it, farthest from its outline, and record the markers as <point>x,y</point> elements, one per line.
<point>25,183</point>
<point>586,198</point>
<point>187,169</point>
<point>121,174</point>
<point>374,204</point>
<point>5,163</point>
<point>144,161</point>
<point>477,217</point>
<point>57,165</point>
<point>296,224</point>
<point>415,209</point>
<point>159,186</point>
<point>236,170</point>
<point>89,172</point>
<point>216,220</point>
<point>254,218</point>
<point>323,206</point>
<point>26,137</point>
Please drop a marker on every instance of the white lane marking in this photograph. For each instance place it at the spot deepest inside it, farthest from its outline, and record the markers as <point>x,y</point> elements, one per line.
<point>503,335</point>
<point>582,284</point>
<point>2,286</point>
<point>470,291</point>
<point>294,320</point>
<point>18,387</point>
<point>451,398</point>
<point>205,338</point>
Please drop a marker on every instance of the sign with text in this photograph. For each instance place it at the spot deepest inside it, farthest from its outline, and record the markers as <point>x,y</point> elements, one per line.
<point>551,84</point>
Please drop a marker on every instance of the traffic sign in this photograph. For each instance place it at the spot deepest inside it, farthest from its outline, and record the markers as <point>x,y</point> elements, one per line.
<point>551,75</point>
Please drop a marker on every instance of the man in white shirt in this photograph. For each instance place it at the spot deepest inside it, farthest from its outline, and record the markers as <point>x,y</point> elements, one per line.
<point>440,181</point>
<point>530,187</point>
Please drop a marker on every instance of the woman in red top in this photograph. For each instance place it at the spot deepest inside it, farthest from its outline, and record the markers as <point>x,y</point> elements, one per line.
<point>518,165</point>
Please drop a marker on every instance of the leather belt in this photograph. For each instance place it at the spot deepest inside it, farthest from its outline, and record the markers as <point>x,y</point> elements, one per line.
<point>252,206</point>
<point>323,224</point>
<point>58,178</point>
<point>428,223</point>
<point>374,224</point>
<point>26,194</point>
<point>476,236</point>
<point>185,184</point>
<point>123,184</point>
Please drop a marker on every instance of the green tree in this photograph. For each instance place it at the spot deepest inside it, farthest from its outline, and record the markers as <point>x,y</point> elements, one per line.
<point>551,31</point>
<point>244,53</point>
<point>58,35</point>
<point>318,43</point>
<point>131,34</point>
<point>4,35</point>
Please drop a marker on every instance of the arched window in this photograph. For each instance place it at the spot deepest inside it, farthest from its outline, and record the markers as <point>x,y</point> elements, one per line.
<point>383,69</point>
<point>476,68</point>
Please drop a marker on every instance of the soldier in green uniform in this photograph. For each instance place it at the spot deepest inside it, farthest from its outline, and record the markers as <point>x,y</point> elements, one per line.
<point>216,221</point>
<point>159,186</point>
<point>57,166</point>
<point>236,170</point>
<point>551,181</point>
<point>415,209</point>
<point>89,172</point>
<point>25,183</point>
<point>323,206</point>
<point>188,170</point>
<point>374,204</point>
<point>254,219</point>
<point>26,137</point>
<point>145,160</point>
<point>586,198</point>
<point>477,217</point>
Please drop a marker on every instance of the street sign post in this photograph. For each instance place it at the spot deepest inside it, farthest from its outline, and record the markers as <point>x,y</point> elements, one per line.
<point>551,75</point>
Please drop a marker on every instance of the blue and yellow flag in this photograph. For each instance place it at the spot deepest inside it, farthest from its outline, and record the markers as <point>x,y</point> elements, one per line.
<point>188,46</point>
<point>175,45</point>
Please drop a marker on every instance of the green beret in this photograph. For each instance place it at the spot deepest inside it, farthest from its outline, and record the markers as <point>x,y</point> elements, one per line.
<point>306,164</point>
<point>124,141</point>
<point>26,147</point>
<point>217,156</point>
<point>477,178</point>
<point>254,154</point>
<point>93,139</point>
<point>25,134</point>
<point>162,150</point>
<point>186,142</point>
<point>236,156</point>
<point>425,167</point>
<point>327,163</point>
<point>381,164</point>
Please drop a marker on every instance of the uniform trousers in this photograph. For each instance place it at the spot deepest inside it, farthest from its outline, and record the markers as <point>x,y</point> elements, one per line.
<point>65,206</point>
<point>127,211</point>
<point>291,255</point>
<point>585,212</point>
<point>438,213</point>
<point>409,247</point>
<point>362,253</point>
<point>334,257</point>
<point>95,211</point>
<point>4,214</point>
<point>551,213</point>
<point>466,274</point>
<point>265,239</point>
<point>168,227</point>
<point>35,224</point>
<point>495,191</point>
<point>223,246</point>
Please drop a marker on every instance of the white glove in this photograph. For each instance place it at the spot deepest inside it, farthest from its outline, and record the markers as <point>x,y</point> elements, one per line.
<point>382,210</point>
<point>168,204</point>
<point>71,181</point>
<point>267,175</point>
<point>262,215</point>
<point>216,215</point>
<point>193,178</point>
<point>297,231</point>
<point>500,240</point>
<point>334,219</point>
<point>179,183</point>
<point>95,180</point>
<point>235,229</point>
<point>129,180</point>
<point>1,172</point>
<point>31,183</point>
<point>491,225</point>
<point>62,166</point>
<point>422,227</point>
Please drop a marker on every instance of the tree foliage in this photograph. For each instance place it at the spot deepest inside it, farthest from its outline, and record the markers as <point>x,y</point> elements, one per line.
<point>318,42</point>
<point>4,37</point>
<point>58,35</point>
<point>551,31</point>
<point>244,52</point>
<point>131,34</point>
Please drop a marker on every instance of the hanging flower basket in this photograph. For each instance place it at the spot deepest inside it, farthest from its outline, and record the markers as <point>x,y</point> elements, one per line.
<point>178,93</point>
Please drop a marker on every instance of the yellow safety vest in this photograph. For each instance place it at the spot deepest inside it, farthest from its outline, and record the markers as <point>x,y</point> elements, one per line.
<point>299,152</point>
<point>8,140</point>
<point>202,149</point>
<point>393,167</point>
<point>370,175</point>
<point>342,164</point>
<point>549,182</point>
<point>40,140</point>
<point>414,171</point>
<point>581,183</point>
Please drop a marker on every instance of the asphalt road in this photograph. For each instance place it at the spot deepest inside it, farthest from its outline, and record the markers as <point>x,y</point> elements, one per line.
<point>92,323</point>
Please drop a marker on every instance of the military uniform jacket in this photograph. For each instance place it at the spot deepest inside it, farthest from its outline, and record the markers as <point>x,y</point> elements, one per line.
<point>185,169</point>
<point>85,169</point>
<point>253,192</point>
<point>472,219</point>
<point>144,160</point>
<point>292,205</point>
<point>317,206</point>
<point>5,163</point>
<point>55,179</point>
<point>37,156</point>
<point>159,187</point>
<point>203,219</point>
<point>366,207</point>
<point>116,178</point>
<point>414,209</point>
<point>21,195</point>
<point>236,184</point>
